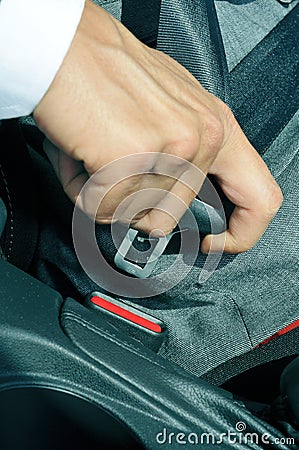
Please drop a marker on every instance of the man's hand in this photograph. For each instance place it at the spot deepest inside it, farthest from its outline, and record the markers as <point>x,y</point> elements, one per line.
<point>114,97</point>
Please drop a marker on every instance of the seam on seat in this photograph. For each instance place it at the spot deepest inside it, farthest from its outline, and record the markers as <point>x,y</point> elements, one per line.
<point>11,220</point>
<point>243,320</point>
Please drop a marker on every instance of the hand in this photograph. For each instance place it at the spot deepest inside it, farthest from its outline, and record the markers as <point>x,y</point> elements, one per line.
<point>114,97</point>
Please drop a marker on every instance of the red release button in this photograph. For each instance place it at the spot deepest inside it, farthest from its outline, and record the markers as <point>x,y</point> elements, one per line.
<point>126,314</point>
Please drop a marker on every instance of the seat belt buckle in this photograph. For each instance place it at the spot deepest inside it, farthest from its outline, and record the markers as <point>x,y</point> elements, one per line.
<point>139,325</point>
<point>142,263</point>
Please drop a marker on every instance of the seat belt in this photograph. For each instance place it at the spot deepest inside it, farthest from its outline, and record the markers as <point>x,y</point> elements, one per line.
<point>142,19</point>
<point>189,32</point>
<point>264,86</point>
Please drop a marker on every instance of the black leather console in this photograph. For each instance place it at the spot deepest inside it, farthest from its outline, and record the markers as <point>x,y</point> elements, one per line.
<point>46,342</point>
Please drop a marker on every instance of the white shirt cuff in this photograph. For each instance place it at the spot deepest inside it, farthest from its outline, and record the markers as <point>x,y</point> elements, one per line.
<point>35,36</point>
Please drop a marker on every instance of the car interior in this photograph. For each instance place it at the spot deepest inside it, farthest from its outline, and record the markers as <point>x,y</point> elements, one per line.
<point>83,368</point>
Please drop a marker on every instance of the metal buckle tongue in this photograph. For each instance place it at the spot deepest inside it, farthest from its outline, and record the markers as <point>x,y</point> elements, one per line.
<point>148,261</point>
<point>142,267</point>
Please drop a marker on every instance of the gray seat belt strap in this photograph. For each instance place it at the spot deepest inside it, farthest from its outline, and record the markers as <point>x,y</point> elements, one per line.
<point>189,33</point>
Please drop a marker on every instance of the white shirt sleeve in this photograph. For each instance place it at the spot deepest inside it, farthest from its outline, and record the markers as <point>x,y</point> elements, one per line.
<point>35,36</point>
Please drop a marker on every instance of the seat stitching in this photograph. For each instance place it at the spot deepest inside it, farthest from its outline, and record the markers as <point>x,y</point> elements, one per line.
<point>11,220</point>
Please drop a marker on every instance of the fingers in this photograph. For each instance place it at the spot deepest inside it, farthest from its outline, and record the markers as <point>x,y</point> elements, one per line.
<point>162,219</point>
<point>70,172</point>
<point>248,183</point>
<point>173,204</point>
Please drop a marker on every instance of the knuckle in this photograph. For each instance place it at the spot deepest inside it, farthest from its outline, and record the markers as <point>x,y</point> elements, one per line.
<point>226,111</point>
<point>139,146</point>
<point>244,247</point>
<point>188,144</point>
<point>212,131</point>
<point>237,245</point>
<point>273,199</point>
